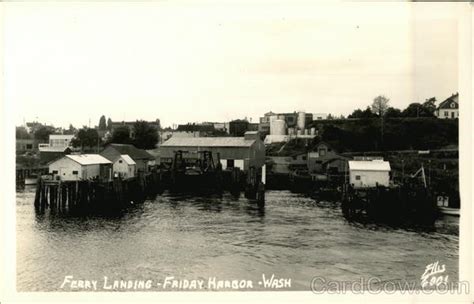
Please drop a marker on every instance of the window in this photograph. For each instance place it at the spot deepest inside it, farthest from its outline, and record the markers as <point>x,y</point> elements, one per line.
<point>357,177</point>
<point>120,161</point>
<point>453,105</point>
<point>29,146</point>
<point>452,114</point>
<point>55,171</point>
<point>304,157</point>
<point>75,172</point>
<point>446,114</point>
<point>230,163</point>
<point>322,152</point>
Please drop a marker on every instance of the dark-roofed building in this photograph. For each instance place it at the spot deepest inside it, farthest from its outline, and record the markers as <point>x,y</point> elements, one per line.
<point>142,158</point>
<point>26,144</point>
<point>448,109</point>
<point>48,154</point>
<point>241,152</point>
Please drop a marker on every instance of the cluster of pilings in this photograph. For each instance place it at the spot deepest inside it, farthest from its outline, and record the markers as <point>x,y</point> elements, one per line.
<point>391,205</point>
<point>84,196</point>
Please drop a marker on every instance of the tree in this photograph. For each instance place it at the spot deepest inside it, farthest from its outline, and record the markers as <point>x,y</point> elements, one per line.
<point>355,114</point>
<point>121,135</point>
<point>430,105</point>
<point>86,137</point>
<point>102,123</point>
<point>380,105</point>
<point>43,132</point>
<point>109,124</point>
<point>393,112</point>
<point>367,113</point>
<point>145,135</point>
<point>71,130</point>
<point>22,133</point>
<point>416,109</point>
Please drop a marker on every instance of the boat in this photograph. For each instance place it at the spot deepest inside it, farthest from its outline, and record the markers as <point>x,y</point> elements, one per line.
<point>31,180</point>
<point>449,211</point>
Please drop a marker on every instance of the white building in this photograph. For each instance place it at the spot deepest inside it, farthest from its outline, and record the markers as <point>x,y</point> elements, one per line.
<point>449,109</point>
<point>81,167</point>
<point>124,166</point>
<point>320,116</point>
<point>363,174</point>
<point>60,140</point>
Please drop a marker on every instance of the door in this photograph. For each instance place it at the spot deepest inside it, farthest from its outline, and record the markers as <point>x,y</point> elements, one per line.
<point>63,172</point>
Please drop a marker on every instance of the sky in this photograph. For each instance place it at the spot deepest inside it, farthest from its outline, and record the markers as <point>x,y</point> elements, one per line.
<point>184,62</point>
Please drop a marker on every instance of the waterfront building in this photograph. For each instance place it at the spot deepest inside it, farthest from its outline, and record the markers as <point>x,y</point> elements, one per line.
<point>124,166</point>
<point>241,152</point>
<point>143,160</point>
<point>60,140</point>
<point>48,154</point>
<point>58,145</point>
<point>365,174</point>
<point>287,164</point>
<point>81,167</point>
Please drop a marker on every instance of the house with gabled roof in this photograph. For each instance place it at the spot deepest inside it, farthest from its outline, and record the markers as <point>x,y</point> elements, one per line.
<point>449,109</point>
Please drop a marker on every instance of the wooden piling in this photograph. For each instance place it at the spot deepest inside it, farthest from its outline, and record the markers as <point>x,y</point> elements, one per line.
<point>38,193</point>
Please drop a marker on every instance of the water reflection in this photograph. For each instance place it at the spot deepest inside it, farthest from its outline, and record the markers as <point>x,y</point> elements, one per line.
<point>224,236</point>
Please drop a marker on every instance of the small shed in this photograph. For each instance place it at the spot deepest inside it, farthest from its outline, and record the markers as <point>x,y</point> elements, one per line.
<point>364,174</point>
<point>142,158</point>
<point>81,167</point>
<point>124,166</point>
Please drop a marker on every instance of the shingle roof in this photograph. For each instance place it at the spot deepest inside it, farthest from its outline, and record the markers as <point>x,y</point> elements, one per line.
<point>208,142</point>
<point>132,151</point>
<point>367,165</point>
<point>89,159</point>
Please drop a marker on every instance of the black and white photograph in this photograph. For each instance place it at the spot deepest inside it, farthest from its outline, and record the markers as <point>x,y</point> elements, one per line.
<point>229,149</point>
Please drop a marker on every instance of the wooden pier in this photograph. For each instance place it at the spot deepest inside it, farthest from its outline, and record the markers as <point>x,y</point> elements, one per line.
<point>84,196</point>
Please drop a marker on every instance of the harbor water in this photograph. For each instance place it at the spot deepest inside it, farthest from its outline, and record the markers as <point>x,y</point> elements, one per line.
<point>190,237</point>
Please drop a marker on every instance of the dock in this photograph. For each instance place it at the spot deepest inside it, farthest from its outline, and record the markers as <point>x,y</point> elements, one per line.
<point>85,196</point>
